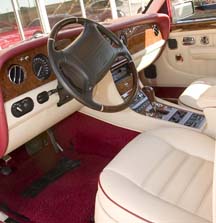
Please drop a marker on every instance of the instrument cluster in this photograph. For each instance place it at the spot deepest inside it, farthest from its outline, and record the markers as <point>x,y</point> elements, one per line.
<point>17,73</point>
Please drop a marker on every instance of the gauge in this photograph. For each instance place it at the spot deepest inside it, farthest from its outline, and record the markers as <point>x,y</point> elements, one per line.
<point>41,67</point>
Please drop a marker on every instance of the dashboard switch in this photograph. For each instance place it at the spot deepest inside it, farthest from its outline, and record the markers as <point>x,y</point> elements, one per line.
<point>22,107</point>
<point>43,97</point>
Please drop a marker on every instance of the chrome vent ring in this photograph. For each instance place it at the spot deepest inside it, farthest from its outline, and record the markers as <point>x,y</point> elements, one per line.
<point>16,74</point>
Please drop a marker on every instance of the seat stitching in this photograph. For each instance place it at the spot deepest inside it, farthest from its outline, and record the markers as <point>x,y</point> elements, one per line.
<point>190,181</point>
<point>174,173</point>
<point>175,147</point>
<point>204,196</point>
<point>114,171</point>
<point>154,168</point>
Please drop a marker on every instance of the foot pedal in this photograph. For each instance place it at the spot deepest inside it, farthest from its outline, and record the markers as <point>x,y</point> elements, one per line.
<point>55,145</point>
<point>36,144</point>
<point>6,169</point>
<point>63,166</point>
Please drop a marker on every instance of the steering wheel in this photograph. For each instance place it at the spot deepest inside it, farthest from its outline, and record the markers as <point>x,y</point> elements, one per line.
<point>82,64</point>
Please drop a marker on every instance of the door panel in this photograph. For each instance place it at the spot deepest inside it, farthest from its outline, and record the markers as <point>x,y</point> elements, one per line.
<point>186,63</point>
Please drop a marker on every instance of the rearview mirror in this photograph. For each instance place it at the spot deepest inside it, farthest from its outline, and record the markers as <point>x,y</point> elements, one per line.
<point>182,10</point>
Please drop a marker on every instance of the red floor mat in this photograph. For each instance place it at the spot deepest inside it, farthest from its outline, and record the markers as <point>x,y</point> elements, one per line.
<point>91,136</point>
<point>69,199</point>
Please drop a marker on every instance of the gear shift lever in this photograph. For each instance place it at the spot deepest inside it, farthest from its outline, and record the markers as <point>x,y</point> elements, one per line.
<point>149,91</point>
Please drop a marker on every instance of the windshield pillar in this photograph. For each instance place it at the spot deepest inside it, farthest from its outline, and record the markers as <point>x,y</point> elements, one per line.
<point>43,16</point>
<point>18,18</point>
<point>82,6</point>
<point>113,9</point>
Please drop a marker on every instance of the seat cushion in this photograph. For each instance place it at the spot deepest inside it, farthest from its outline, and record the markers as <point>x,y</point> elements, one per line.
<point>192,93</point>
<point>161,176</point>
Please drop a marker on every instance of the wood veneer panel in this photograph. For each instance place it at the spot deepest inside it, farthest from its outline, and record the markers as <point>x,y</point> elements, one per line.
<point>11,90</point>
<point>141,38</point>
<point>125,85</point>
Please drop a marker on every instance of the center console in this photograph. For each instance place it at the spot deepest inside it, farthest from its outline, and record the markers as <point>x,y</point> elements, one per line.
<point>145,102</point>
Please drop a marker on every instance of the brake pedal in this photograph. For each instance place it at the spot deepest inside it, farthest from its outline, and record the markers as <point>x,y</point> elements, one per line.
<point>54,143</point>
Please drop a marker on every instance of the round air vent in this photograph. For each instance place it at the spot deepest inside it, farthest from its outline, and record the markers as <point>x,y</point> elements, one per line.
<point>16,74</point>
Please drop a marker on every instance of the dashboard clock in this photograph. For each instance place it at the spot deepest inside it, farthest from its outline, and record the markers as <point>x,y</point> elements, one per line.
<point>41,67</point>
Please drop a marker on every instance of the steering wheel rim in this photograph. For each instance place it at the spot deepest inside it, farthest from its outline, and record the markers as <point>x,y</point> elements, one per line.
<point>82,82</point>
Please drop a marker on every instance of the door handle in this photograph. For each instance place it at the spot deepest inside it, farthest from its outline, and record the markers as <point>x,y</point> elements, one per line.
<point>187,41</point>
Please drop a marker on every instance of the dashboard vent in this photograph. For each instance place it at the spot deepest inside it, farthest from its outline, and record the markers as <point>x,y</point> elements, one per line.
<point>156,30</point>
<point>16,74</point>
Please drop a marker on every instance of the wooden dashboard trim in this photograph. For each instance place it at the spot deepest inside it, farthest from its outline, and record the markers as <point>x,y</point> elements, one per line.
<point>143,38</point>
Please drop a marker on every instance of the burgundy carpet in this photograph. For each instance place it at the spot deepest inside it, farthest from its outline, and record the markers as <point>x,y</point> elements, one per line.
<point>70,198</point>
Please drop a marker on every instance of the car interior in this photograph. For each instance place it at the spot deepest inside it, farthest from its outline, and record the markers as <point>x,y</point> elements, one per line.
<point>111,122</point>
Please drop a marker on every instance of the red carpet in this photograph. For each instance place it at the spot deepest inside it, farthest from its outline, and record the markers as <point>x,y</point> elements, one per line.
<point>70,198</point>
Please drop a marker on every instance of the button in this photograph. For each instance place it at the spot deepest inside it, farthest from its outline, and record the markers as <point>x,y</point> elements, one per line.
<point>22,107</point>
<point>43,97</point>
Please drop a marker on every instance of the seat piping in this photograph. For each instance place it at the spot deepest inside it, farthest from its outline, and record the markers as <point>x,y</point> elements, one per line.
<point>114,202</point>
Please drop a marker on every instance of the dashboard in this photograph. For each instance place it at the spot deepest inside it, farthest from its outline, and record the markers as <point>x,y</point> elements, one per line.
<point>25,74</point>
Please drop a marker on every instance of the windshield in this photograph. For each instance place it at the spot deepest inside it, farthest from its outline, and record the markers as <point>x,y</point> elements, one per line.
<point>24,19</point>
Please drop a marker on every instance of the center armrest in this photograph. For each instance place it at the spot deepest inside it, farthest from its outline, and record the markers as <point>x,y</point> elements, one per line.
<point>208,99</point>
<point>207,102</point>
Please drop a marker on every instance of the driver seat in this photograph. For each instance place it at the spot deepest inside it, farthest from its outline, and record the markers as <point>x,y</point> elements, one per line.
<point>161,176</point>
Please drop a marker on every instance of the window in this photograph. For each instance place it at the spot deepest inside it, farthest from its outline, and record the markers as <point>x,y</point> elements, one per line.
<point>8,27</point>
<point>28,14</point>
<point>23,19</point>
<point>194,10</point>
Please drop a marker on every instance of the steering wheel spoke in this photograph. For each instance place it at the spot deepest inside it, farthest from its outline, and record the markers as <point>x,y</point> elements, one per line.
<point>58,55</point>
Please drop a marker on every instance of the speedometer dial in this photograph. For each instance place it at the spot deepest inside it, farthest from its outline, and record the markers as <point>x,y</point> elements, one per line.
<point>41,67</point>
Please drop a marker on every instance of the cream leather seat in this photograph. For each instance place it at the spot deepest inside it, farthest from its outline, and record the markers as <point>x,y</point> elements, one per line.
<point>193,92</point>
<point>162,176</point>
